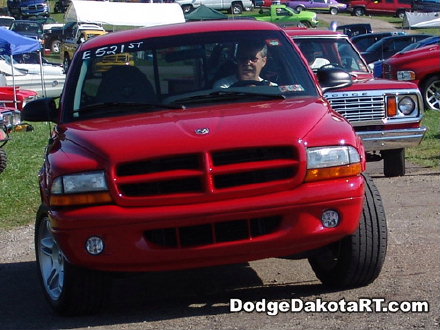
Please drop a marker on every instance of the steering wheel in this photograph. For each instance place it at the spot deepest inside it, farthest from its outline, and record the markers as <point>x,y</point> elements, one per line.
<point>243,83</point>
<point>332,65</point>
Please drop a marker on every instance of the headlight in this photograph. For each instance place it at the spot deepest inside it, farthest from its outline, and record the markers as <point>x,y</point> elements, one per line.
<point>406,105</point>
<point>81,188</point>
<point>406,75</point>
<point>332,162</point>
<point>400,106</point>
<point>78,183</point>
<point>10,118</point>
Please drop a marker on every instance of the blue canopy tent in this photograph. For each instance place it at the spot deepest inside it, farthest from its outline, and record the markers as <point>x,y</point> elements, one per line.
<point>12,43</point>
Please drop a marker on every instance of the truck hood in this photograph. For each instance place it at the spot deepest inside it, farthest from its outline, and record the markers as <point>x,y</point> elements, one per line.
<point>377,84</point>
<point>133,137</point>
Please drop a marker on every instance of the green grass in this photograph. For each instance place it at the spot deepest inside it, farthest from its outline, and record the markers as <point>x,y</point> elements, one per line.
<point>19,196</point>
<point>428,152</point>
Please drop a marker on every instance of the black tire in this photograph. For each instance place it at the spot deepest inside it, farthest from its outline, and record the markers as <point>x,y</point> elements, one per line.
<point>299,9</point>
<point>393,162</point>
<point>187,9</point>
<point>3,160</point>
<point>70,290</point>
<point>334,11</point>
<point>358,11</point>
<point>304,24</point>
<point>400,14</point>
<point>431,93</point>
<point>55,46</point>
<point>236,9</point>
<point>356,260</point>
<point>66,63</point>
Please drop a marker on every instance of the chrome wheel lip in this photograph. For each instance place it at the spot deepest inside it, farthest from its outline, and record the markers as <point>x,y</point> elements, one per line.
<point>51,261</point>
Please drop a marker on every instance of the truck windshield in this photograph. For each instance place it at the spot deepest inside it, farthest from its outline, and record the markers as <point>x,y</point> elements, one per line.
<point>186,71</point>
<point>337,51</point>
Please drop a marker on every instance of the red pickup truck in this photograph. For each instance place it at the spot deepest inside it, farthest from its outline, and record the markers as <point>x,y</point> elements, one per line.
<point>22,96</point>
<point>421,66</point>
<point>151,167</point>
<point>386,114</point>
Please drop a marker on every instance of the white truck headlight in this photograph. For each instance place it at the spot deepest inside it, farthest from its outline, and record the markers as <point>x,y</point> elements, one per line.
<point>406,105</point>
<point>331,156</point>
<point>331,162</point>
<point>79,183</point>
<point>80,189</point>
<point>406,75</point>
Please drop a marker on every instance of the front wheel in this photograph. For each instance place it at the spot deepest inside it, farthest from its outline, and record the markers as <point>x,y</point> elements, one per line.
<point>357,259</point>
<point>359,11</point>
<point>431,93</point>
<point>3,160</point>
<point>393,162</point>
<point>70,290</point>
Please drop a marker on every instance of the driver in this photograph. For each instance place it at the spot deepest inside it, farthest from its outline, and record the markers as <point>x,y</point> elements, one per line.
<point>251,59</point>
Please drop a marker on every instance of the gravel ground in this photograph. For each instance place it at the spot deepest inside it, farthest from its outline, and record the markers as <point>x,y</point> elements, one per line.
<point>199,299</point>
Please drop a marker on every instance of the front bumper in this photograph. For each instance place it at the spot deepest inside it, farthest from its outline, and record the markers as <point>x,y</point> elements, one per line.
<point>130,247</point>
<point>392,139</point>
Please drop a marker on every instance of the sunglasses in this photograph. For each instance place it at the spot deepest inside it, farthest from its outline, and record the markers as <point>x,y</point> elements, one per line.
<point>246,59</point>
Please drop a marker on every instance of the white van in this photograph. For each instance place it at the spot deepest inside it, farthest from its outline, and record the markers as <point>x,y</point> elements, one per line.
<point>235,7</point>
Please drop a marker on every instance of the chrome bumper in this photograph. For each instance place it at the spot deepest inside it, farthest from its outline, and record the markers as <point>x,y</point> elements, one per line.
<point>392,139</point>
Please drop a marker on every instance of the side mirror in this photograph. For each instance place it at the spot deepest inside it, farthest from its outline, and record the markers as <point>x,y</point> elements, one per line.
<point>40,110</point>
<point>333,78</point>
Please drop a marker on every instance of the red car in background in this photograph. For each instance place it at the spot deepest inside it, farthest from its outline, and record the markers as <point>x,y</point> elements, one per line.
<point>421,66</point>
<point>23,96</point>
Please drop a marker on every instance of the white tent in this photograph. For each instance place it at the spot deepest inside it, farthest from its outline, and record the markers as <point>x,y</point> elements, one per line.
<point>421,20</point>
<point>124,13</point>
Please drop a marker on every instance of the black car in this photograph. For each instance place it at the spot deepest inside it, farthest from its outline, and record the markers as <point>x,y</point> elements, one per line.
<point>388,46</point>
<point>363,41</point>
<point>30,29</point>
<point>426,5</point>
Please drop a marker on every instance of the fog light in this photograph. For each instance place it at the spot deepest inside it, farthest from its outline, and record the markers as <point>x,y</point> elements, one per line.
<point>94,245</point>
<point>330,219</point>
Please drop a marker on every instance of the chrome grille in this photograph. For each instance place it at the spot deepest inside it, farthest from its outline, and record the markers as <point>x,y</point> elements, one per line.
<point>207,174</point>
<point>359,108</point>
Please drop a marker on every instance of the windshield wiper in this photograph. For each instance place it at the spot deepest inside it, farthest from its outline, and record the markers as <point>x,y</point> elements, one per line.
<point>115,107</point>
<point>235,93</point>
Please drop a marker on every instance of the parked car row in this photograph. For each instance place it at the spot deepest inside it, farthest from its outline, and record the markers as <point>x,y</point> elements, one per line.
<point>405,57</point>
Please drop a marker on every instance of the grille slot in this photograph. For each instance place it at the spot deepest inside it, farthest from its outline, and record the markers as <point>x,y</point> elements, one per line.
<point>207,174</point>
<point>359,108</point>
<point>211,233</point>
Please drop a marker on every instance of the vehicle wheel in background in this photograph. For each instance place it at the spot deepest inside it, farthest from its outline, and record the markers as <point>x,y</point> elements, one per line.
<point>70,290</point>
<point>298,9</point>
<point>356,260</point>
<point>334,11</point>
<point>66,63</point>
<point>55,46</point>
<point>236,8</point>
<point>3,160</point>
<point>400,14</point>
<point>431,93</point>
<point>187,8</point>
<point>358,11</point>
<point>393,162</point>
